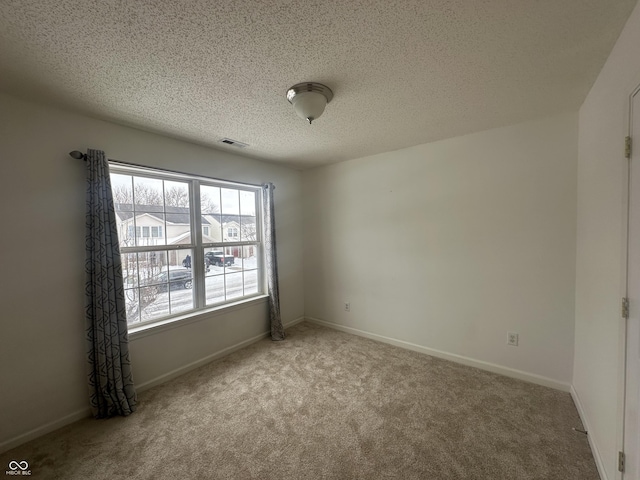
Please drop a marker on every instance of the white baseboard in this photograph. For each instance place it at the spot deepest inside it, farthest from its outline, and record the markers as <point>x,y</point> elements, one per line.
<point>209,358</point>
<point>491,367</point>
<point>293,322</point>
<point>81,414</point>
<point>44,429</point>
<point>592,442</point>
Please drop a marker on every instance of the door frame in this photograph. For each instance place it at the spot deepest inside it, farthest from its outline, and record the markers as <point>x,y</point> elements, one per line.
<point>622,374</point>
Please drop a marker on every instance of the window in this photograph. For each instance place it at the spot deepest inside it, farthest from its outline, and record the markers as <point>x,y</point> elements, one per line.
<point>179,261</point>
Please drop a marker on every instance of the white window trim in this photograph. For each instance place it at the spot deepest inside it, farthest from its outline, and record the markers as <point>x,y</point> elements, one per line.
<point>197,247</point>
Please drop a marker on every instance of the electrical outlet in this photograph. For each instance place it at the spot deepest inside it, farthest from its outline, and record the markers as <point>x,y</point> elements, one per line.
<point>512,339</point>
<point>347,306</point>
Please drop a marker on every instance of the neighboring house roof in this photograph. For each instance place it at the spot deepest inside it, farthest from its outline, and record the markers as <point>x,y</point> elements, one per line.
<point>178,214</point>
<point>155,219</point>
<point>172,215</point>
<point>231,218</point>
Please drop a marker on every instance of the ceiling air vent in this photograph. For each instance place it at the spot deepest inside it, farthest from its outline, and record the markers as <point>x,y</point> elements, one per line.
<point>234,143</point>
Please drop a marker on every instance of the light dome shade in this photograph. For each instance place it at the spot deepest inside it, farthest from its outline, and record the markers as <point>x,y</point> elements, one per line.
<point>309,99</point>
<point>309,105</point>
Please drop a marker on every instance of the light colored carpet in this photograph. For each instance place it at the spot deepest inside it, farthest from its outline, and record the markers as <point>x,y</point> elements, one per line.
<point>326,405</point>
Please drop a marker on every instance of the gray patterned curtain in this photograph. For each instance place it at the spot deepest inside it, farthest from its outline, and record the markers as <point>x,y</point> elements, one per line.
<point>109,370</point>
<point>277,331</point>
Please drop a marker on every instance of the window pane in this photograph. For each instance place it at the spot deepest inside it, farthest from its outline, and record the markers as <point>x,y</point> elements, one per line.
<point>142,304</point>
<point>126,228</point>
<point>150,265</point>
<point>251,282</point>
<point>213,223</point>
<point>181,300</point>
<point>248,231</point>
<point>231,229</point>
<point>230,254</point>
<point>249,257</point>
<point>184,258</point>
<point>132,305</point>
<point>178,226</point>
<point>149,229</point>
<point>180,284</point>
<point>151,304</point>
<point>176,194</point>
<point>214,286</point>
<point>131,285</point>
<point>122,190</point>
<point>209,200</point>
<point>247,203</point>
<point>230,201</point>
<point>129,269</point>
<point>249,266</point>
<point>216,259</point>
<point>233,285</point>
<point>147,195</point>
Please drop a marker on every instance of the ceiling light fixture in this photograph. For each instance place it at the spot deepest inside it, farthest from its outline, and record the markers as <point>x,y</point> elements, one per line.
<point>309,99</point>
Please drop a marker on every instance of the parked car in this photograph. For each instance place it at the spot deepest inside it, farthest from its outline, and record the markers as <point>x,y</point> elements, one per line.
<point>180,278</point>
<point>219,258</point>
<point>177,278</point>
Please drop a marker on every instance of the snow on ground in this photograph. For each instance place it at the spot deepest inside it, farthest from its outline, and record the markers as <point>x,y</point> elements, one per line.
<point>221,284</point>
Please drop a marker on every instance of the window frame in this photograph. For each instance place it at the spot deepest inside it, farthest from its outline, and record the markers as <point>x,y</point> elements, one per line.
<point>196,246</point>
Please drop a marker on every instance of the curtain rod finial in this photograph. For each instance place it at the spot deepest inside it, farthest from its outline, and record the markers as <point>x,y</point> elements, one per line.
<point>78,155</point>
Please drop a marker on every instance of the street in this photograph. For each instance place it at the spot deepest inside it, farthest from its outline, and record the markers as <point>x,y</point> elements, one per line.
<point>221,284</point>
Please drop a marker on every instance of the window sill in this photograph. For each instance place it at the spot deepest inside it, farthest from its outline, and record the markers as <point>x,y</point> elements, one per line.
<point>174,322</point>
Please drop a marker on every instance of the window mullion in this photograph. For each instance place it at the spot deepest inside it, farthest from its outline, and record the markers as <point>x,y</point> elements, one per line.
<point>198,252</point>
<point>155,248</point>
<point>262,278</point>
<point>230,244</point>
<point>258,215</point>
<point>133,212</point>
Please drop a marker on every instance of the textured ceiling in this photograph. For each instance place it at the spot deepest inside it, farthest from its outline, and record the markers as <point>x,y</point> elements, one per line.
<point>403,72</point>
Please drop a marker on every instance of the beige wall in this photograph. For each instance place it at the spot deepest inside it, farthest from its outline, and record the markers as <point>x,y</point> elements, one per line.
<point>600,269</point>
<point>42,192</point>
<point>450,245</point>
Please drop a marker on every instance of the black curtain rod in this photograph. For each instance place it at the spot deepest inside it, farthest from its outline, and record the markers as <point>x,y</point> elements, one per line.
<point>83,156</point>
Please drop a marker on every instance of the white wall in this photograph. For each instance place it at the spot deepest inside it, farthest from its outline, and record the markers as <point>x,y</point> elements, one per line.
<point>42,191</point>
<point>449,245</point>
<point>603,124</point>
